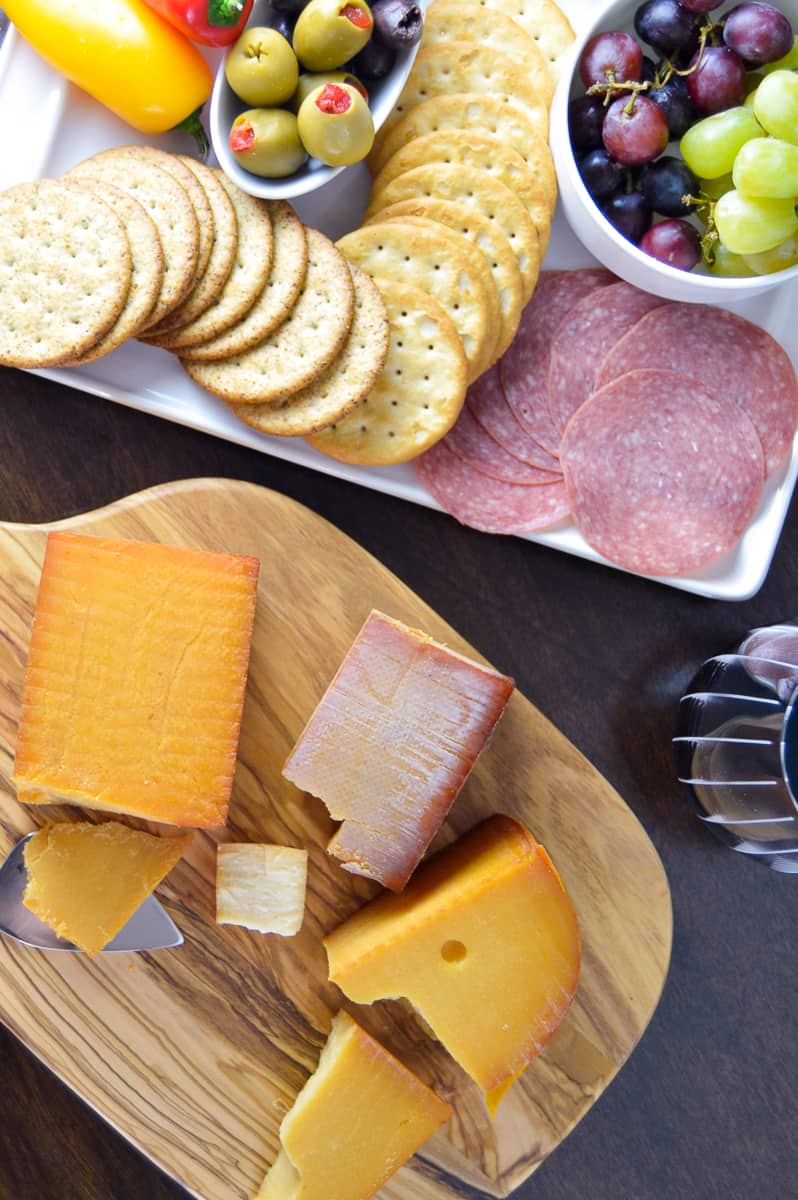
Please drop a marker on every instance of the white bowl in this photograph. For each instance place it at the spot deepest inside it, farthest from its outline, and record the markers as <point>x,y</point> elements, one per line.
<point>593,229</point>
<point>226,106</point>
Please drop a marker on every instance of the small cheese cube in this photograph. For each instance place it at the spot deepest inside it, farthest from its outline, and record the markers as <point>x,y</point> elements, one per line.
<point>392,742</point>
<point>86,881</point>
<point>135,680</point>
<point>261,887</point>
<point>355,1122</point>
<point>484,942</point>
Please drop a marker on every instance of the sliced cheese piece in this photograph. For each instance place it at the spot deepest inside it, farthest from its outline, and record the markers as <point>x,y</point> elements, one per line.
<point>86,881</point>
<point>261,887</point>
<point>135,679</point>
<point>392,742</point>
<point>484,942</point>
<point>355,1122</point>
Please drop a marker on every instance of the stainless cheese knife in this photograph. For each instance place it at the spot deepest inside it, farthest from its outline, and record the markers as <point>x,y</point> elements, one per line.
<point>150,928</point>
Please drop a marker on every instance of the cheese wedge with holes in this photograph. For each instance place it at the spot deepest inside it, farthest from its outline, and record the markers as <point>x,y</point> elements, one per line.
<point>355,1122</point>
<point>261,887</point>
<point>86,881</point>
<point>392,742</point>
<point>135,679</point>
<point>484,942</point>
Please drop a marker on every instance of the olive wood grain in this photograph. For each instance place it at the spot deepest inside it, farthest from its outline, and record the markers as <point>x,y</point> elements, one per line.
<point>195,1054</point>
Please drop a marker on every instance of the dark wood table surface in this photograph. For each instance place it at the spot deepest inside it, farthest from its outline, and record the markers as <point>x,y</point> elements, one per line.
<point>706,1106</point>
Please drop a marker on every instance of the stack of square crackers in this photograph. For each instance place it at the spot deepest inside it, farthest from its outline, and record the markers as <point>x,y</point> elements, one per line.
<point>365,348</point>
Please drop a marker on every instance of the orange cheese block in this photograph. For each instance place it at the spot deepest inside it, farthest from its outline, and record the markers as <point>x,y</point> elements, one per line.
<point>135,680</point>
<point>86,881</point>
<point>484,942</point>
<point>355,1122</point>
<point>392,742</point>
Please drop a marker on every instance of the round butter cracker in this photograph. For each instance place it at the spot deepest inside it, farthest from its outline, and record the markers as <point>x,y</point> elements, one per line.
<point>341,388</point>
<point>489,240</point>
<point>65,272</point>
<point>419,395</point>
<point>476,189</point>
<point>545,23</point>
<point>301,348</point>
<point>446,266</point>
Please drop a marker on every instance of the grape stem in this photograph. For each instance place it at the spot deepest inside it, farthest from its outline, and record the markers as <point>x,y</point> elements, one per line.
<point>611,89</point>
<point>668,69</point>
<point>706,205</point>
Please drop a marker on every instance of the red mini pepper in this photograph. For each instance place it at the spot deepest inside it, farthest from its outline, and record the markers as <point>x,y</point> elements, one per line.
<point>211,22</point>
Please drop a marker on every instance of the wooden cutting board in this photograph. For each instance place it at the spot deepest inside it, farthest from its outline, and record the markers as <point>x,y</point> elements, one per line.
<point>195,1054</point>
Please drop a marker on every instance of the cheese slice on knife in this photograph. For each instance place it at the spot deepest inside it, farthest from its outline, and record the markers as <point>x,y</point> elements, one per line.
<point>135,680</point>
<point>355,1122</point>
<point>392,742</point>
<point>86,881</point>
<point>484,942</point>
<point>261,887</point>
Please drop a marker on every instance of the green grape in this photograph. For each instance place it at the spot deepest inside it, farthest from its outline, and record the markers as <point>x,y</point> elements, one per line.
<point>749,225</point>
<point>767,167</point>
<point>715,188</point>
<point>728,265</point>
<point>788,63</point>
<point>752,82</point>
<point>769,261</point>
<point>711,146</point>
<point>776,105</point>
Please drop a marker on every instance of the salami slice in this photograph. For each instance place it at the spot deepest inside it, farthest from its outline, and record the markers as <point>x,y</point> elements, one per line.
<point>525,367</point>
<point>470,442</point>
<point>487,402</point>
<point>488,504</point>
<point>726,353</point>
<point>662,474</point>
<point>584,339</point>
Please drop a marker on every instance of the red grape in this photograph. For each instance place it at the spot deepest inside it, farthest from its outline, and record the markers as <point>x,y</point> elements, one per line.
<point>608,57</point>
<point>664,24</point>
<point>629,213</point>
<point>717,81</point>
<point>636,131</point>
<point>700,6</point>
<point>585,121</point>
<point>673,242</point>
<point>602,175</point>
<point>759,33</point>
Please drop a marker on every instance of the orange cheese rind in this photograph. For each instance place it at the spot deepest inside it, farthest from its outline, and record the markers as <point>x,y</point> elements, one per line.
<point>484,942</point>
<point>359,1117</point>
<point>135,681</point>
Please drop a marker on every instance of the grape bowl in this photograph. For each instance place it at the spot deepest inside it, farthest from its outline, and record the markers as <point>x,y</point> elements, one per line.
<point>676,183</point>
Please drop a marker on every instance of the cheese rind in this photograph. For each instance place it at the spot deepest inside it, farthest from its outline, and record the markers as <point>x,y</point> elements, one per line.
<point>135,680</point>
<point>484,942</point>
<point>86,881</point>
<point>261,887</point>
<point>359,1117</point>
<point>392,742</point>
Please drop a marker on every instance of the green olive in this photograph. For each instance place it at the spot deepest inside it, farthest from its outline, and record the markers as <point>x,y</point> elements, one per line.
<point>261,68</point>
<point>309,82</point>
<point>335,125</point>
<point>266,142</point>
<point>330,32</point>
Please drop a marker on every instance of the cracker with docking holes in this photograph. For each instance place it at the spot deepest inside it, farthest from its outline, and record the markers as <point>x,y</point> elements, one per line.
<point>518,127</point>
<point>418,396</point>
<point>147,270</point>
<point>489,240</point>
<point>65,271</point>
<point>278,295</point>
<point>247,279</point>
<point>450,67</point>
<point>301,348</point>
<point>210,283</point>
<point>448,22</point>
<point>166,203</point>
<point>472,149</point>
<point>447,266</point>
<point>341,388</point>
<point>544,22</point>
<point>476,189</point>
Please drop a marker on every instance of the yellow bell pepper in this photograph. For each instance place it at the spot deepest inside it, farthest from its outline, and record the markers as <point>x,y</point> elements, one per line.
<point>121,53</point>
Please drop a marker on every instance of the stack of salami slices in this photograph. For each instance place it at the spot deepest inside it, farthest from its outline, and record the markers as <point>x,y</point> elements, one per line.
<point>653,426</point>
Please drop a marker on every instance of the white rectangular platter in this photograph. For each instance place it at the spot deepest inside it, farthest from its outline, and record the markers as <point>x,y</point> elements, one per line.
<point>61,126</point>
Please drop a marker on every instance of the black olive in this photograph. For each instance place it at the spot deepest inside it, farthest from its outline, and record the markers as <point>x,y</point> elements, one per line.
<point>374,61</point>
<point>284,23</point>
<point>399,23</point>
<point>288,6</point>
